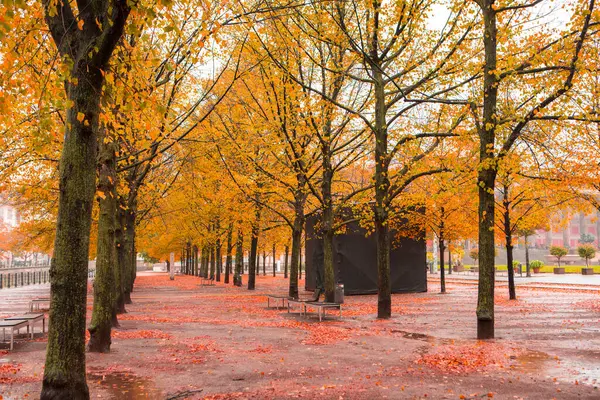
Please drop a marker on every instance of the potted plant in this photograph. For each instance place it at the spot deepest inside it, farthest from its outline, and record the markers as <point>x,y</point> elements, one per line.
<point>587,252</point>
<point>559,252</point>
<point>536,265</point>
<point>516,266</point>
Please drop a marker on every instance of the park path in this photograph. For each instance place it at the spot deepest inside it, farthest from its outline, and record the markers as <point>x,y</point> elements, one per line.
<point>180,339</point>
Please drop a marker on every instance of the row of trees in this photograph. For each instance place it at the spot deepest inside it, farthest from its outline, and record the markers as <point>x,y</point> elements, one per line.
<point>216,123</point>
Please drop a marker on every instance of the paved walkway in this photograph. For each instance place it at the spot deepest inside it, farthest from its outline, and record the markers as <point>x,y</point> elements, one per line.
<point>535,279</point>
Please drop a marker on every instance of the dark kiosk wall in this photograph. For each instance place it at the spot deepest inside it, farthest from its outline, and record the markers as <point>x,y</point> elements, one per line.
<point>356,263</point>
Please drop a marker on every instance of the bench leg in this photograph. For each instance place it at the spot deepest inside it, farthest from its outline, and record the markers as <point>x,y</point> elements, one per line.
<point>12,338</point>
<point>320,310</point>
<point>268,303</point>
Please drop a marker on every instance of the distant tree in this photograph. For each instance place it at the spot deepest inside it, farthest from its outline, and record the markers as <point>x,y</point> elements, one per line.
<point>587,252</point>
<point>558,252</point>
<point>587,238</point>
<point>474,254</point>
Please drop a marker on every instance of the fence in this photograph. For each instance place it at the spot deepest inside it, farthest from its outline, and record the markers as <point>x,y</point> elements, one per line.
<point>26,278</point>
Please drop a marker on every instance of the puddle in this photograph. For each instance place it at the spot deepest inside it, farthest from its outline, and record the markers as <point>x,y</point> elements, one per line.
<point>423,337</point>
<point>532,361</point>
<point>586,371</point>
<point>124,385</point>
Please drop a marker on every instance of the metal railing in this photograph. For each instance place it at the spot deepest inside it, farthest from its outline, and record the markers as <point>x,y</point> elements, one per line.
<point>26,278</point>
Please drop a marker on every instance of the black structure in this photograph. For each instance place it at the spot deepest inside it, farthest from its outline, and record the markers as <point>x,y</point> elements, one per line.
<point>355,261</point>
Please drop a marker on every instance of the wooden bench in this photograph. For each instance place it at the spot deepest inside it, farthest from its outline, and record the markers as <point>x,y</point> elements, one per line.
<point>13,325</point>
<point>321,307</point>
<point>35,303</point>
<point>32,319</point>
<point>315,298</point>
<point>207,282</point>
<point>276,298</point>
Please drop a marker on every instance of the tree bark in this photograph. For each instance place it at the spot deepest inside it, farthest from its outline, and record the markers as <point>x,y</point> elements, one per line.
<point>486,179</point>
<point>64,372</point>
<point>274,260</point>
<point>285,263</point>
<point>253,254</point>
<point>442,265</point>
<point>239,259</point>
<point>509,246</point>
<point>382,185</point>
<point>527,256</point>
<point>212,262</point>
<point>219,259</point>
<point>264,263</point>
<point>228,260</point>
<point>105,285</point>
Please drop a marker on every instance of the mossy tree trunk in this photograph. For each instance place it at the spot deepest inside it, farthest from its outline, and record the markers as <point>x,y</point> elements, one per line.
<point>105,283</point>
<point>486,179</point>
<point>239,258</point>
<point>64,372</point>
<point>229,256</point>
<point>285,263</point>
<point>252,267</point>
<point>442,250</point>
<point>274,272</point>
<point>212,262</point>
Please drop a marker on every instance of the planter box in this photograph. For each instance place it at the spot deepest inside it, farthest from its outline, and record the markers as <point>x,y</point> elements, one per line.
<point>559,271</point>
<point>458,268</point>
<point>587,271</point>
<point>536,270</point>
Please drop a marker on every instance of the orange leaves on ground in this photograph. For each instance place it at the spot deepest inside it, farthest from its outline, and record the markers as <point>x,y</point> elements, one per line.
<point>182,282</point>
<point>325,334</point>
<point>593,305</point>
<point>10,374</point>
<point>462,359</point>
<point>262,349</point>
<point>141,334</point>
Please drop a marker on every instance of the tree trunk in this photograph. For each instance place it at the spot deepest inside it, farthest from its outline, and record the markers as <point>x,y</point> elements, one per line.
<point>442,266</point>
<point>509,246</point>
<point>300,258</point>
<point>285,263</point>
<point>64,373</point>
<point>382,185</point>
<point>253,255</point>
<point>442,250</point>
<point>219,259</point>
<point>228,259</point>
<point>264,263</point>
<point>239,259</point>
<point>274,272</point>
<point>449,260</point>
<point>295,258</point>
<point>121,263</point>
<point>486,179</point>
<point>105,286</point>
<point>527,256</point>
<point>327,220</point>
<point>212,262</point>
<point>130,254</point>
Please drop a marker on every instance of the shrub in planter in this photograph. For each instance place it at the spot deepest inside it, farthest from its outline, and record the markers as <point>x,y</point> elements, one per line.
<point>516,266</point>
<point>558,252</point>
<point>536,265</point>
<point>587,252</point>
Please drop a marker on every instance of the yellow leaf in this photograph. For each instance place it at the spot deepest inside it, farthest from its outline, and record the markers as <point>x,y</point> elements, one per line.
<point>80,24</point>
<point>80,116</point>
